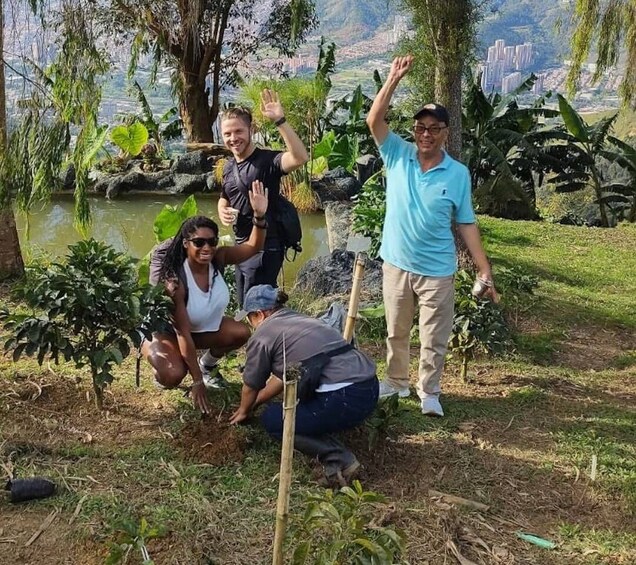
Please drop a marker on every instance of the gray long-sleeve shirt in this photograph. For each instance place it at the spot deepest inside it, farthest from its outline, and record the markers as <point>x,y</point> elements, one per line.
<point>304,337</point>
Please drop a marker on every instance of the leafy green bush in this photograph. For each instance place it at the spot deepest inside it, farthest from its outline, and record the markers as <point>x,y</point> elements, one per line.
<point>371,323</point>
<point>89,308</point>
<point>517,291</point>
<point>339,529</point>
<point>340,151</point>
<point>478,325</point>
<point>384,418</point>
<point>132,537</point>
<point>369,210</point>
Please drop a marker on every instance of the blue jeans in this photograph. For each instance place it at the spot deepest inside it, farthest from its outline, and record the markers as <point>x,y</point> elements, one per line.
<point>262,268</point>
<point>325,414</point>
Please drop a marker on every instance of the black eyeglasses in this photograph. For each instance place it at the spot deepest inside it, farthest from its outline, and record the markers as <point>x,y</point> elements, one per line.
<point>433,130</point>
<point>201,241</point>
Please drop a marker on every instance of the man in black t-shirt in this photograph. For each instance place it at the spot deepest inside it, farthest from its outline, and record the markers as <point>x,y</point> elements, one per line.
<point>250,163</point>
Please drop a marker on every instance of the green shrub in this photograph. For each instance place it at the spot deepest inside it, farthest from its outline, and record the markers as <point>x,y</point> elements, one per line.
<point>88,308</point>
<point>369,210</point>
<point>132,538</point>
<point>384,418</point>
<point>479,325</point>
<point>517,290</point>
<point>339,528</point>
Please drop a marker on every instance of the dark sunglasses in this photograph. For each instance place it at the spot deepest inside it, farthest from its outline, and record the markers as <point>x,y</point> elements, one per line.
<point>201,241</point>
<point>433,130</point>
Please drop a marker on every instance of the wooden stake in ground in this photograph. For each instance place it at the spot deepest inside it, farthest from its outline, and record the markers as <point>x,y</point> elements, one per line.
<point>290,380</point>
<point>352,313</point>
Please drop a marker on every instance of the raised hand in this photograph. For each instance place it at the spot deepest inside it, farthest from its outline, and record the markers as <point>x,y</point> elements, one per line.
<point>258,198</point>
<point>270,105</point>
<point>401,66</point>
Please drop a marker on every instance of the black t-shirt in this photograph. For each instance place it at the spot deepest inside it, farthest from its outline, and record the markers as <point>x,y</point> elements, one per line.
<point>263,165</point>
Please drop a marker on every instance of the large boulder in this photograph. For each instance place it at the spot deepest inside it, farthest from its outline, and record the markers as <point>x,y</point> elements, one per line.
<point>115,184</point>
<point>332,275</point>
<point>192,163</point>
<point>338,221</point>
<point>67,177</point>
<point>189,184</point>
<point>336,185</point>
<point>365,167</point>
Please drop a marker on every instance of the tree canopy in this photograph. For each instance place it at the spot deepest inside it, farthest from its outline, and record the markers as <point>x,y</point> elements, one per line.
<point>206,43</point>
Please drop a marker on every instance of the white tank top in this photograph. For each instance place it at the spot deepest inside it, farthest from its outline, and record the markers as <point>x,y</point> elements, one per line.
<point>206,309</point>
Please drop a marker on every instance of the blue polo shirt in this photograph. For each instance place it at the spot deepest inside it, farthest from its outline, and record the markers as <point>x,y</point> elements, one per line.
<point>420,207</point>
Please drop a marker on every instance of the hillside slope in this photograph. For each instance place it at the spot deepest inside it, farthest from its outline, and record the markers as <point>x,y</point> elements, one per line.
<point>349,21</point>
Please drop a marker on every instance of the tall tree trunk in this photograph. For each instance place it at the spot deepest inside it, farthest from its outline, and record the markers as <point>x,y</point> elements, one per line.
<point>448,92</point>
<point>195,110</point>
<point>11,263</point>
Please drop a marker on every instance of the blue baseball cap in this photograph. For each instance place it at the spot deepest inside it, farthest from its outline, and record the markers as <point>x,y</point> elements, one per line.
<point>259,297</point>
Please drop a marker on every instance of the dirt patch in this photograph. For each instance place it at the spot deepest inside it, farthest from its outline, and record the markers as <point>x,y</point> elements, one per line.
<point>594,348</point>
<point>59,411</point>
<point>55,545</point>
<point>209,441</point>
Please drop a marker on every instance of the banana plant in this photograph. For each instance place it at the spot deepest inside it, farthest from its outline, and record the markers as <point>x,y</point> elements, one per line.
<point>623,194</point>
<point>585,144</point>
<point>167,126</point>
<point>504,148</point>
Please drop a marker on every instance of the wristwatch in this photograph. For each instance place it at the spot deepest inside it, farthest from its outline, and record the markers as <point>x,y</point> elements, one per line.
<point>260,223</point>
<point>280,121</point>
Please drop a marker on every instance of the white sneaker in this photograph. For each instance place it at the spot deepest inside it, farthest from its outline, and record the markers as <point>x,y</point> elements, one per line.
<point>212,377</point>
<point>387,389</point>
<point>431,406</point>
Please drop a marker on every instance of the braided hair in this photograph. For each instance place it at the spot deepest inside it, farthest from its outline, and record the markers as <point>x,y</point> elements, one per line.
<point>176,252</point>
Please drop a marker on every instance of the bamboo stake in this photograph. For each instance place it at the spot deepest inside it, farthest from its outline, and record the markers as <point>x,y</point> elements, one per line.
<point>290,382</point>
<point>352,313</point>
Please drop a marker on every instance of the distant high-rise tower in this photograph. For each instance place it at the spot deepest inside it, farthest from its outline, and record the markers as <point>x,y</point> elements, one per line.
<point>500,44</point>
<point>485,76</point>
<point>509,58</point>
<point>523,56</point>
<point>510,82</point>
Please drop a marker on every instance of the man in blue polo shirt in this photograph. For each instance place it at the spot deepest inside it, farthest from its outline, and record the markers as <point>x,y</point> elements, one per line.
<point>427,190</point>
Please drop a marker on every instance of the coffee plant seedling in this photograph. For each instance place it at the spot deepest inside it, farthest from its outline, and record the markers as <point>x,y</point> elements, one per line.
<point>88,308</point>
<point>384,418</point>
<point>132,537</point>
<point>478,325</point>
<point>517,288</point>
<point>341,528</point>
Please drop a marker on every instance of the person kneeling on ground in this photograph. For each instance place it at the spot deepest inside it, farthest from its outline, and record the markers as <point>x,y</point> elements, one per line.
<point>346,391</point>
<point>192,270</point>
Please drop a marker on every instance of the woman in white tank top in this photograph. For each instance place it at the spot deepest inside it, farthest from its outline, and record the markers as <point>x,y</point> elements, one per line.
<point>192,271</point>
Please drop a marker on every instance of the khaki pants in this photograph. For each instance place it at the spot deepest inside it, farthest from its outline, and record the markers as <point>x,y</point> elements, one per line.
<point>402,291</point>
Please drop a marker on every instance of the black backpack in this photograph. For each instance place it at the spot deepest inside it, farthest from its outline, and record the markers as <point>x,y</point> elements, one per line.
<point>289,227</point>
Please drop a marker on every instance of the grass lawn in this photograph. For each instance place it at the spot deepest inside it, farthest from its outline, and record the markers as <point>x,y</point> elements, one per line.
<point>545,438</point>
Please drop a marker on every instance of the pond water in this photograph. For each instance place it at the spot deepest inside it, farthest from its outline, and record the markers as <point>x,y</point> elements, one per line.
<point>126,224</point>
